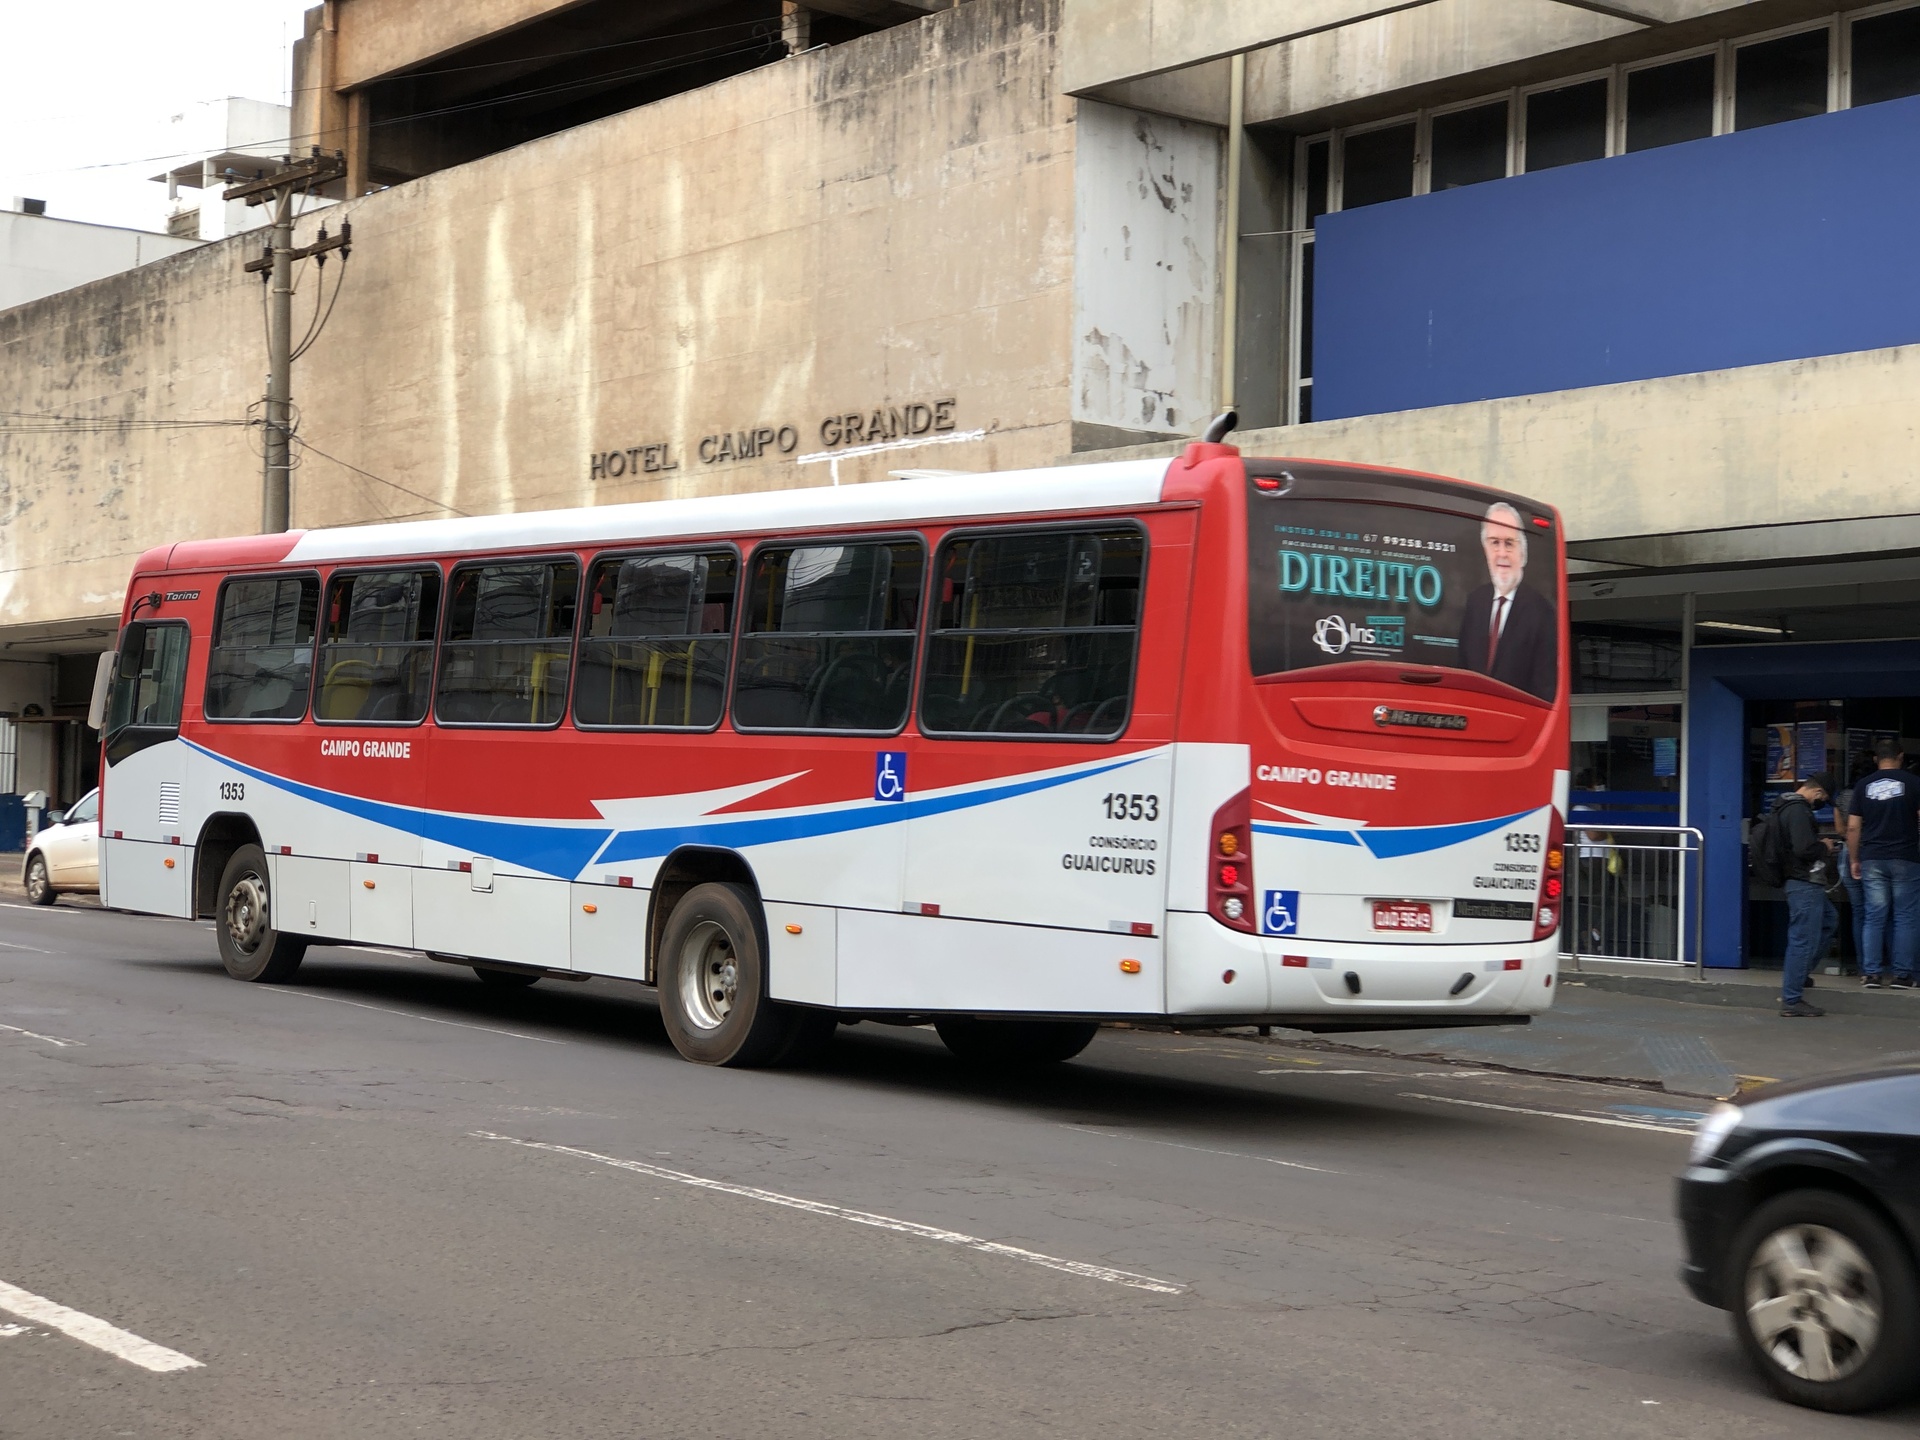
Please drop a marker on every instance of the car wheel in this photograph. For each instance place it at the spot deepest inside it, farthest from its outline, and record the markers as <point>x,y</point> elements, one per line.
<point>506,979</point>
<point>250,947</point>
<point>713,981</point>
<point>1015,1042</point>
<point>39,886</point>
<point>1824,1302</point>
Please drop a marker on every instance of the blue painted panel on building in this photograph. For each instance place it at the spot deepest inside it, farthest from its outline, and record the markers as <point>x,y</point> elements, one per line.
<point>1772,244</point>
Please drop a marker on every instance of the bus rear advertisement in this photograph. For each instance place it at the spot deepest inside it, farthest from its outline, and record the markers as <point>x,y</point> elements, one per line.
<point>1209,741</point>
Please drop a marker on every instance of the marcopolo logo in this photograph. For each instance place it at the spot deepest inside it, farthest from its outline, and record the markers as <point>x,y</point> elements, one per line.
<point>1335,634</point>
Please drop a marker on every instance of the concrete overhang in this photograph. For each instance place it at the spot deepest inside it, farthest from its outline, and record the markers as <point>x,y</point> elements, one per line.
<point>244,164</point>
<point>1106,43</point>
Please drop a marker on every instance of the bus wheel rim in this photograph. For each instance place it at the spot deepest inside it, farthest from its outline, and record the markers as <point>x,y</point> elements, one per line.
<point>1813,1302</point>
<point>247,913</point>
<point>709,976</point>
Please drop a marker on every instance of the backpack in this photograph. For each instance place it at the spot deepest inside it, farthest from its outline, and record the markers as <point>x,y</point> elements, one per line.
<point>1767,849</point>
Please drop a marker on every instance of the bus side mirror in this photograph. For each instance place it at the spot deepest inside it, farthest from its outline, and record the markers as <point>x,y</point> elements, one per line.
<point>102,685</point>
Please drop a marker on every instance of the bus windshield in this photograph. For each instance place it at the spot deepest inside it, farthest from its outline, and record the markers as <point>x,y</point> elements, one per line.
<point>1333,581</point>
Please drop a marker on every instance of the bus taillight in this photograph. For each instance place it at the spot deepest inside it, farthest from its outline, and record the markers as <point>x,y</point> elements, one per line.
<point>1230,864</point>
<point>1546,919</point>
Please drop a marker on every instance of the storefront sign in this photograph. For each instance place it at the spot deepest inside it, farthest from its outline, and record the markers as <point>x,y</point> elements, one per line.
<point>876,425</point>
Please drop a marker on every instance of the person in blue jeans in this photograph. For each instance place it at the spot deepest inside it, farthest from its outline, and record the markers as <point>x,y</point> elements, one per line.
<point>1843,866</point>
<point>1883,844</point>
<point>1812,920</point>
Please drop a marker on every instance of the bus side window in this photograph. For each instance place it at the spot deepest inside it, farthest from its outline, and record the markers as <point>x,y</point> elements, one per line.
<point>261,664</point>
<point>827,642</point>
<point>149,681</point>
<point>509,644</point>
<point>654,649</point>
<point>376,647</point>
<point>1034,634</point>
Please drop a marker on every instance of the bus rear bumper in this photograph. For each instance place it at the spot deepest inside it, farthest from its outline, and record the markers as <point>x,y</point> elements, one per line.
<point>1212,971</point>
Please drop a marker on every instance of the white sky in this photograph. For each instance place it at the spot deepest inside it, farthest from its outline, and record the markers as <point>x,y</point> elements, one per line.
<point>91,84</point>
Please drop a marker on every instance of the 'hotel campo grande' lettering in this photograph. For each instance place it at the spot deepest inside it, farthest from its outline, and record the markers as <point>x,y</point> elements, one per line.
<point>1359,578</point>
<point>854,428</point>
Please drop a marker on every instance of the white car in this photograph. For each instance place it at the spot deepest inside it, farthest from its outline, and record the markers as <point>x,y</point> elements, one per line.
<point>65,853</point>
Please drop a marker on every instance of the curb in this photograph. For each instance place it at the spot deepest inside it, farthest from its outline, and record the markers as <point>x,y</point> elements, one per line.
<point>1885,1005</point>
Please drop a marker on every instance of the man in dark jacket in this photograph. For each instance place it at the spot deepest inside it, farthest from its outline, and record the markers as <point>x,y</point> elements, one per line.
<point>1812,920</point>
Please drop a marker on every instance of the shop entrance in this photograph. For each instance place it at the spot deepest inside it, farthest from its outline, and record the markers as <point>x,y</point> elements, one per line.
<point>1788,740</point>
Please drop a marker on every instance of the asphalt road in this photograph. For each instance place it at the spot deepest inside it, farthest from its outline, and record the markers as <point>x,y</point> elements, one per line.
<point>385,1201</point>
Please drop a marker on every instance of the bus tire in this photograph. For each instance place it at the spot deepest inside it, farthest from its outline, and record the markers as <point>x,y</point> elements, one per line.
<point>1015,1042</point>
<point>506,979</point>
<point>250,947</point>
<point>713,980</point>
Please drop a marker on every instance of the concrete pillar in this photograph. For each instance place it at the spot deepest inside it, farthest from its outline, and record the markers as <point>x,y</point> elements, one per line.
<point>796,26</point>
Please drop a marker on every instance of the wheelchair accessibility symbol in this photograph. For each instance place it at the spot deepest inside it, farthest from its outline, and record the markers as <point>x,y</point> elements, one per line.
<point>1280,915</point>
<point>890,775</point>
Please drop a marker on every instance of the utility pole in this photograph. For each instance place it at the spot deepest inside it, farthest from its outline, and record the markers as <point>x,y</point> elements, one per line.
<point>276,266</point>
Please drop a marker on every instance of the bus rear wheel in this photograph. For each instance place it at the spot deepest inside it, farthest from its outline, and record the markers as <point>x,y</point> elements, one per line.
<point>1015,1042</point>
<point>713,981</point>
<point>250,947</point>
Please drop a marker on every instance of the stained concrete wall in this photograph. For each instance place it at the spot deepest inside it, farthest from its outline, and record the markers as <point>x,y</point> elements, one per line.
<point>1793,444</point>
<point>873,236</point>
<point>1146,272</point>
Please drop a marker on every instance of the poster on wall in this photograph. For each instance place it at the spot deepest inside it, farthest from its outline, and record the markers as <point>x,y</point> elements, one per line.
<point>1666,756</point>
<point>1780,755</point>
<point>1810,748</point>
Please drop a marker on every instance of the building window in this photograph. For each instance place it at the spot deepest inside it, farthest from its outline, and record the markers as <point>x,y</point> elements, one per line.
<point>509,642</point>
<point>1668,104</point>
<point>1034,634</point>
<point>261,664</point>
<point>655,645</point>
<point>1783,79</point>
<point>1566,126</point>
<point>1886,57</point>
<point>1468,146</point>
<point>1378,166</point>
<point>376,656</point>
<point>827,643</point>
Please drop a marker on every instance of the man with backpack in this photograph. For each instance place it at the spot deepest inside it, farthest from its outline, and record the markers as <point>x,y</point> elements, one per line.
<point>1788,851</point>
<point>1883,839</point>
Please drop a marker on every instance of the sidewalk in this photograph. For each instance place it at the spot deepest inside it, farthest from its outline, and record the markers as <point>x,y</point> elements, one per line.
<point>1684,1036</point>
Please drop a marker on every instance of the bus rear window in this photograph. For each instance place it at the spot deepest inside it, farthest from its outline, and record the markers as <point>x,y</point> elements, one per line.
<point>1335,581</point>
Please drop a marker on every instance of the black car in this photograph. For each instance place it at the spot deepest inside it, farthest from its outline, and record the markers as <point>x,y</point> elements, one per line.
<point>1801,1211</point>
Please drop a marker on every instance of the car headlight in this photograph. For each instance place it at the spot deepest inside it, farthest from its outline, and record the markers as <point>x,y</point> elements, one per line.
<point>1715,1126</point>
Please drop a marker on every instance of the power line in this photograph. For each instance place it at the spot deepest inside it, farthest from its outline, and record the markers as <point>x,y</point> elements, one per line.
<point>306,444</point>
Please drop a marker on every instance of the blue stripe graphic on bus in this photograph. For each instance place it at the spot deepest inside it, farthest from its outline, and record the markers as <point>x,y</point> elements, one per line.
<point>1394,842</point>
<point>1280,913</point>
<point>563,848</point>
<point>738,834</point>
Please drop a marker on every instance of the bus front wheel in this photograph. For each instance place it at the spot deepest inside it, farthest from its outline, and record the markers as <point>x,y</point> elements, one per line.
<point>250,947</point>
<point>1015,1042</point>
<point>713,980</point>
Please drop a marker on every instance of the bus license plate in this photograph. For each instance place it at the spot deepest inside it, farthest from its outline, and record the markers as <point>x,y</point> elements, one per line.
<point>1403,915</point>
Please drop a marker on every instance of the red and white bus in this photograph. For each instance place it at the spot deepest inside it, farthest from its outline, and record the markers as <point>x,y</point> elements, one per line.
<point>1208,741</point>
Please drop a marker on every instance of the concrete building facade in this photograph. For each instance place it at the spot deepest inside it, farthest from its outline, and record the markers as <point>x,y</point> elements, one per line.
<point>1640,258</point>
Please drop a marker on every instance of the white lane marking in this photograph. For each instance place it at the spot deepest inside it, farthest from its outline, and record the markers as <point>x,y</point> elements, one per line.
<point>1202,1149</point>
<point>7,1332</point>
<point>1551,1114</point>
<point>1394,1074</point>
<point>6,945</point>
<point>90,1330</point>
<point>36,1035</point>
<point>409,1015</point>
<point>858,1217</point>
<point>51,909</point>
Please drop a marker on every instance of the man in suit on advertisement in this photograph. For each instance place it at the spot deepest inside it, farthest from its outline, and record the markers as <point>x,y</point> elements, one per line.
<point>1508,630</point>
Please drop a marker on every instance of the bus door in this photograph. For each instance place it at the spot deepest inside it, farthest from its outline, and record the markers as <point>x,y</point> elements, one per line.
<point>146,861</point>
